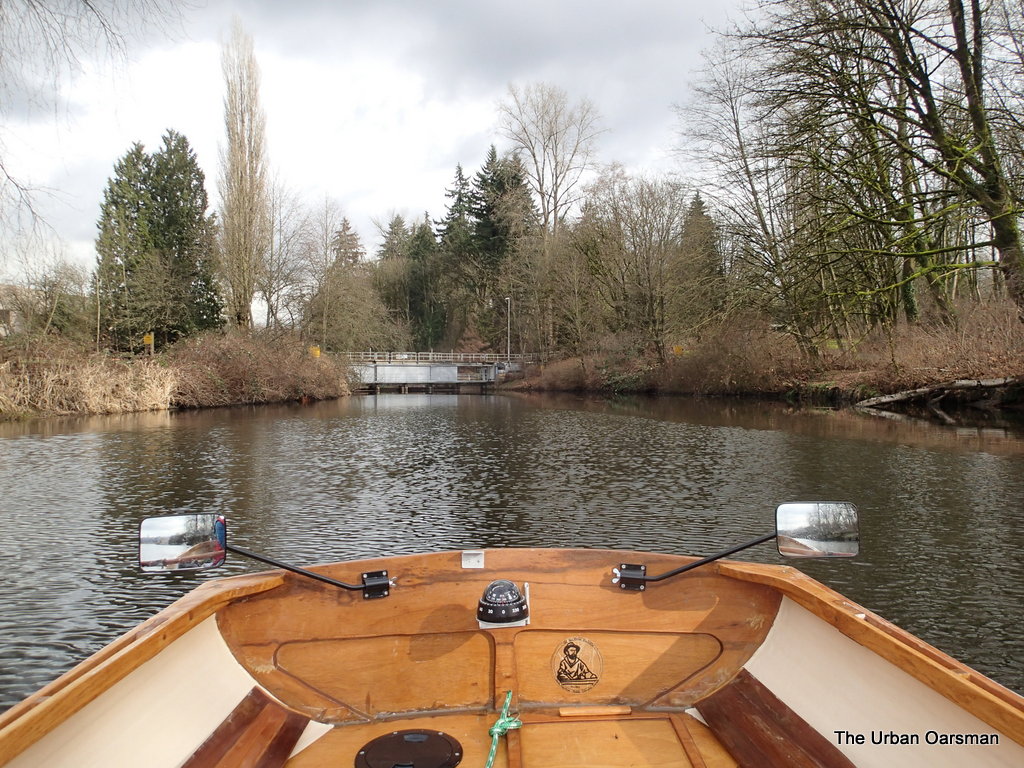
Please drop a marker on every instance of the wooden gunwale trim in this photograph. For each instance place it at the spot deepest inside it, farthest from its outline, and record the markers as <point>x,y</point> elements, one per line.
<point>28,721</point>
<point>986,699</point>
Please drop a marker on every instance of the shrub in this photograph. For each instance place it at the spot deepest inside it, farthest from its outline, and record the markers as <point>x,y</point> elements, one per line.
<point>236,369</point>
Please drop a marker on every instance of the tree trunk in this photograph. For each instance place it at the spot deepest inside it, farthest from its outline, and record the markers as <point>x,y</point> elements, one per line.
<point>1011,259</point>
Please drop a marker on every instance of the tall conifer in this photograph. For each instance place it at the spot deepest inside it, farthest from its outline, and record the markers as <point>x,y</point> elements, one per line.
<point>123,243</point>
<point>155,248</point>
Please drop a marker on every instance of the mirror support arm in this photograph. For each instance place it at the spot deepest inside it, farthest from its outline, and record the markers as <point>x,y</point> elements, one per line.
<point>292,568</point>
<point>712,558</point>
<point>634,576</point>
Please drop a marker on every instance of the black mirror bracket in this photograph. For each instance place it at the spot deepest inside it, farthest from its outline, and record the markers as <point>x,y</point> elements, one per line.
<point>634,577</point>
<point>630,576</point>
<point>376,584</point>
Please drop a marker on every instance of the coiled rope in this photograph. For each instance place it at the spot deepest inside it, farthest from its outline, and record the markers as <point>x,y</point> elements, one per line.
<point>504,724</point>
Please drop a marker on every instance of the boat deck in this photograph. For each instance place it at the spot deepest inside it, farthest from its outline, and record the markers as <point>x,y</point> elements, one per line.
<point>665,741</point>
<point>756,727</point>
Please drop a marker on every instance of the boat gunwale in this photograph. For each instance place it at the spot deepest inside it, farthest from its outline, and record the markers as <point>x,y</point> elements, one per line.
<point>32,718</point>
<point>990,702</point>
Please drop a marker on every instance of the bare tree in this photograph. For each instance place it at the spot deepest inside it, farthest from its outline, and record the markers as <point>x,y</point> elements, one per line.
<point>320,257</point>
<point>916,78</point>
<point>41,42</point>
<point>751,185</point>
<point>631,232</point>
<point>245,205</point>
<point>343,311</point>
<point>279,283</point>
<point>555,142</point>
<point>52,294</point>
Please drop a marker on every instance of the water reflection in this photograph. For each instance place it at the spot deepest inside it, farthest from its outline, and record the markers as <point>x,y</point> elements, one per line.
<point>940,510</point>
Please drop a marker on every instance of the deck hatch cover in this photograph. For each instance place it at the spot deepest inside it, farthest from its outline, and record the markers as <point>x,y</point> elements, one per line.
<point>410,749</point>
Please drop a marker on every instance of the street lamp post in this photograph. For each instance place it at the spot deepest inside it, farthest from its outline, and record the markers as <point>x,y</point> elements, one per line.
<point>508,329</point>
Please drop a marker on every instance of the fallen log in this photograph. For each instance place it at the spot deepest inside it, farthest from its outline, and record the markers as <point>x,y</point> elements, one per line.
<point>935,392</point>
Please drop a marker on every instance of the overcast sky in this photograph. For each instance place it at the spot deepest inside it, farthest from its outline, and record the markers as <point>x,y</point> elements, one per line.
<point>372,103</point>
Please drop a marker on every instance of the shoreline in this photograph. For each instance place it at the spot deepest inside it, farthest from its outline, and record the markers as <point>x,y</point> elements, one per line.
<point>53,379</point>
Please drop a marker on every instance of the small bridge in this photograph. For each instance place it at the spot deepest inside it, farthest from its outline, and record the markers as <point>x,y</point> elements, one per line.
<point>433,371</point>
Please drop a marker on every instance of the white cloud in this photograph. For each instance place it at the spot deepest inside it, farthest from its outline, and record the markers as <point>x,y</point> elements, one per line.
<point>371,104</point>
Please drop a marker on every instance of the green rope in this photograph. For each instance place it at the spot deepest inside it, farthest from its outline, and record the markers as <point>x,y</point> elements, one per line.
<point>501,727</point>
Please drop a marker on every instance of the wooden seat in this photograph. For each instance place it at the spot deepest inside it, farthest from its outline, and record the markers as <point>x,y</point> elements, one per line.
<point>759,729</point>
<point>259,732</point>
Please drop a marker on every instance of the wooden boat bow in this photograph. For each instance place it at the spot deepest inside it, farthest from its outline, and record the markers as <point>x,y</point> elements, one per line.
<point>729,664</point>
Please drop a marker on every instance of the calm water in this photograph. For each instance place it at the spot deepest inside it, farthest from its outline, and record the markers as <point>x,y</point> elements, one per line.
<point>942,510</point>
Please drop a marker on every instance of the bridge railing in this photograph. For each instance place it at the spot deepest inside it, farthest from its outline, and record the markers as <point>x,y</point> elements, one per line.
<point>435,357</point>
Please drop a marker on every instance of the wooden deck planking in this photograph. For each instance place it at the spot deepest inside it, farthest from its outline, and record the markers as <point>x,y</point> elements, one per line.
<point>340,746</point>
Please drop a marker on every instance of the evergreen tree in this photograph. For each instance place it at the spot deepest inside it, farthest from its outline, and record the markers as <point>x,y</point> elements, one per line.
<point>482,231</point>
<point>455,227</point>
<point>395,244</point>
<point>457,259</point>
<point>427,311</point>
<point>699,284</point>
<point>392,271</point>
<point>501,208</point>
<point>155,248</point>
<point>503,216</point>
<point>123,244</point>
<point>183,235</point>
<point>348,248</point>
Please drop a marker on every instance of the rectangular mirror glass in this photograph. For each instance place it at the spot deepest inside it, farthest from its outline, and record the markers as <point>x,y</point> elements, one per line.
<point>182,542</point>
<point>817,529</point>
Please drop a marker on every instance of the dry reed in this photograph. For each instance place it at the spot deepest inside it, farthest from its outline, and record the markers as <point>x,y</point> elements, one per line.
<point>81,384</point>
<point>48,376</point>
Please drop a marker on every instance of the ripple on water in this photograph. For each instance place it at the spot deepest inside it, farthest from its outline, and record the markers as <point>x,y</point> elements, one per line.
<point>942,531</point>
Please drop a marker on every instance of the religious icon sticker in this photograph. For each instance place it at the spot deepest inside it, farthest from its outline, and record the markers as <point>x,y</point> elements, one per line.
<point>577,665</point>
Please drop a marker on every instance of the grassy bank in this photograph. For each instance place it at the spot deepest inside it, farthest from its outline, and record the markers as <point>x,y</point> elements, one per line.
<point>746,358</point>
<point>52,377</point>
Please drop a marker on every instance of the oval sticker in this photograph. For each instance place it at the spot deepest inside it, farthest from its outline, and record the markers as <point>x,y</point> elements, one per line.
<point>577,665</point>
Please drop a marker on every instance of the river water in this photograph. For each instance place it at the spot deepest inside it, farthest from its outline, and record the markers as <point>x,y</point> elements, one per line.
<point>942,509</point>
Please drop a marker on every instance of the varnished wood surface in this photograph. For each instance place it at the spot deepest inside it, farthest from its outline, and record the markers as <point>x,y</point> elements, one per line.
<point>394,674</point>
<point>544,741</point>
<point>701,744</point>
<point>419,657</point>
<point>258,733</point>
<point>639,668</point>
<point>759,729</point>
<point>340,746</point>
<point>603,744</point>
<point>338,658</point>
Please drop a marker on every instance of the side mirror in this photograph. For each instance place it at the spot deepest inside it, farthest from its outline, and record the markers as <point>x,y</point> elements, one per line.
<point>182,543</point>
<point>817,529</point>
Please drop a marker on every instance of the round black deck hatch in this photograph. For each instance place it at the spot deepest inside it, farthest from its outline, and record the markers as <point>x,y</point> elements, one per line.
<point>411,749</point>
